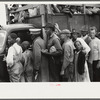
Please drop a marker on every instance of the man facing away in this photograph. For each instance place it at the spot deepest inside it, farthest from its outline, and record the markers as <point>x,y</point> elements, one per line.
<point>94,57</point>
<point>68,56</point>
<point>40,69</point>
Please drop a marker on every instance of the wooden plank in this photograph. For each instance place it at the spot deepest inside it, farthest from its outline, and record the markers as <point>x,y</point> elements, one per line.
<point>92,5</point>
<point>76,22</point>
<point>29,6</point>
<point>93,21</point>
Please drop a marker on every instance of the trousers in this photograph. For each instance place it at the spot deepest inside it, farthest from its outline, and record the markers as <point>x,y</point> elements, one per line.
<point>16,72</point>
<point>96,72</point>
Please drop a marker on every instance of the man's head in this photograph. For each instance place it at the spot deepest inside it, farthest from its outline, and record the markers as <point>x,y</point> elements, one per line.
<point>65,34</point>
<point>84,30</point>
<point>50,28</point>
<point>35,33</point>
<point>92,32</point>
<point>12,39</point>
<point>25,45</point>
<point>74,35</point>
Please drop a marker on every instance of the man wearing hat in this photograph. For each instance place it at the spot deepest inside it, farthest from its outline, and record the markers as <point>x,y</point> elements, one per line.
<point>38,45</point>
<point>53,41</point>
<point>85,36</point>
<point>68,48</point>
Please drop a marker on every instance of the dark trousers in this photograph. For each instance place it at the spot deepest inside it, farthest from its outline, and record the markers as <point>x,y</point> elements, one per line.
<point>54,69</point>
<point>69,73</point>
<point>96,72</point>
<point>90,68</point>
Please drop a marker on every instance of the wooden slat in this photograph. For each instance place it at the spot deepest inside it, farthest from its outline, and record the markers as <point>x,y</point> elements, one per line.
<point>93,5</point>
<point>26,7</point>
<point>29,6</point>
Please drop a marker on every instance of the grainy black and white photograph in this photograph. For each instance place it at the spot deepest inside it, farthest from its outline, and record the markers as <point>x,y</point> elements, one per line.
<point>49,50</point>
<point>49,42</point>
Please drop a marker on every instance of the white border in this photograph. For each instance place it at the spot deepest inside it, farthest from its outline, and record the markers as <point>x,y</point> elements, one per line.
<point>51,2</point>
<point>50,90</point>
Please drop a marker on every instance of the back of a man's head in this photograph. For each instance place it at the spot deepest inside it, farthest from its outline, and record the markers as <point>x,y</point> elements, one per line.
<point>49,25</point>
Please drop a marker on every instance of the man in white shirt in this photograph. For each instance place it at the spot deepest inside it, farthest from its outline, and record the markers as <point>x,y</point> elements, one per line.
<point>85,35</point>
<point>14,57</point>
<point>94,57</point>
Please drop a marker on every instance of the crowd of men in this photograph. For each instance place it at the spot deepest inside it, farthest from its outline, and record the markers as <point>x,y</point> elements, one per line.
<point>22,15</point>
<point>66,56</point>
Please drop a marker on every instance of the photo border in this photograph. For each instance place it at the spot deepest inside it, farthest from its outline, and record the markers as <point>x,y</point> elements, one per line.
<point>51,85</point>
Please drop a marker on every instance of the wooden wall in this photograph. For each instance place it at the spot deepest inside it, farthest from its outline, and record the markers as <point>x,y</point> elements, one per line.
<point>36,21</point>
<point>76,21</point>
<point>65,21</point>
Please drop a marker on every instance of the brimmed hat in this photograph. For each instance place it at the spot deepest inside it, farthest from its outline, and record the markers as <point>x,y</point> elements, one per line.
<point>35,31</point>
<point>65,31</point>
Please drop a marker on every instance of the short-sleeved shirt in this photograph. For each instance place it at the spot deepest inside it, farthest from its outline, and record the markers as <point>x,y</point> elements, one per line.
<point>54,41</point>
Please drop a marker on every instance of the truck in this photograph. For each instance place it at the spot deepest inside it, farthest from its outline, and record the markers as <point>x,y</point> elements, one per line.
<point>22,30</point>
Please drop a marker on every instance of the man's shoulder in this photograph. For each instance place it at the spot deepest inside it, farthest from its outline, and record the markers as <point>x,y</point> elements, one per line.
<point>80,39</point>
<point>10,48</point>
<point>39,40</point>
<point>68,44</point>
<point>55,37</point>
<point>97,39</point>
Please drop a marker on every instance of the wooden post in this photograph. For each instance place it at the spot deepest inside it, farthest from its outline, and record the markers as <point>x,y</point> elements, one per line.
<point>43,19</point>
<point>84,8</point>
<point>44,66</point>
<point>7,14</point>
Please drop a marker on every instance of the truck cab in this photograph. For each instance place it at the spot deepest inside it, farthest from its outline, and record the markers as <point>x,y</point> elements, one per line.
<point>22,31</point>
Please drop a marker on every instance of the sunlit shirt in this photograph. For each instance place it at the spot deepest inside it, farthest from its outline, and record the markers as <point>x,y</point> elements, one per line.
<point>95,49</point>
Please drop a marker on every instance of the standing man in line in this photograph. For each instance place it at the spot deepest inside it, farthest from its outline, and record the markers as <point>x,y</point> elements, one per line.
<point>27,61</point>
<point>13,60</point>
<point>40,71</point>
<point>68,56</point>
<point>87,39</point>
<point>54,51</point>
<point>94,57</point>
<point>85,35</point>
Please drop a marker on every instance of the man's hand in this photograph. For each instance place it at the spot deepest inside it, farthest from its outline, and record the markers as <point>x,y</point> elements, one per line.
<point>98,65</point>
<point>62,72</point>
<point>4,59</point>
<point>35,73</point>
<point>44,51</point>
<point>84,51</point>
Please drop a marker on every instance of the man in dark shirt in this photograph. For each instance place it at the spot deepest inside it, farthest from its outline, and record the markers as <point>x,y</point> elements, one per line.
<point>53,55</point>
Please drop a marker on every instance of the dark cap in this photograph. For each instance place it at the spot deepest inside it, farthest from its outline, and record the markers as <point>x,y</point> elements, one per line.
<point>49,25</point>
